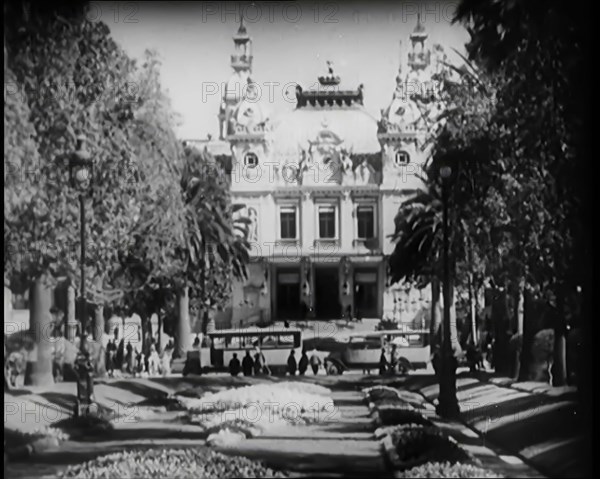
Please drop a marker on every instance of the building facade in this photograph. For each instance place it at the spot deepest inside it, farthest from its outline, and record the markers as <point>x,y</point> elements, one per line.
<point>322,185</point>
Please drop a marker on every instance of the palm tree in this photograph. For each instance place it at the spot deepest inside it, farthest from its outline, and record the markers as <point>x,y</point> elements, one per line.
<point>215,243</point>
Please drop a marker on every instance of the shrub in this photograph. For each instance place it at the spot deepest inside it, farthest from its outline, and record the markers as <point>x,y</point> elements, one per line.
<point>400,416</point>
<point>427,444</point>
<point>162,463</point>
<point>381,392</point>
<point>446,469</point>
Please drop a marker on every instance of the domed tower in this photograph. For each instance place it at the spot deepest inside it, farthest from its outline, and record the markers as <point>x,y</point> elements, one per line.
<point>408,121</point>
<point>241,62</point>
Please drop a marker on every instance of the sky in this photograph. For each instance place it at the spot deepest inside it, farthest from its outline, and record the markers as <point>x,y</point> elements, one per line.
<point>291,43</point>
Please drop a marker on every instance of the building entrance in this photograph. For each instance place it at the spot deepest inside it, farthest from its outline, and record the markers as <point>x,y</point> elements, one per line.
<point>365,293</point>
<point>288,294</point>
<point>327,304</point>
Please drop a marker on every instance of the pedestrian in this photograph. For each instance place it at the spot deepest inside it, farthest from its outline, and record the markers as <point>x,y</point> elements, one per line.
<point>303,365</point>
<point>247,364</point>
<point>383,362</point>
<point>111,352</point>
<point>153,361</point>
<point>292,366</point>
<point>129,359</point>
<point>315,362</point>
<point>167,356</point>
<point>348,314</point>
<point>394,359</point>
<point>259,361</point>
<point>234,365</point>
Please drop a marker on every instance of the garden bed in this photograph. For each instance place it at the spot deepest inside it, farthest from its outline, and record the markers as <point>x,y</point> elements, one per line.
<point>19,445</point>
<point>250,411</point>
<point>170,463</point>
<point>446,469</point>
<point>412,443</point>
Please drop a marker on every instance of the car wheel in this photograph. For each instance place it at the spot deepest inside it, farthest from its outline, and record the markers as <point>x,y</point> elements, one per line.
<point>333,369</point>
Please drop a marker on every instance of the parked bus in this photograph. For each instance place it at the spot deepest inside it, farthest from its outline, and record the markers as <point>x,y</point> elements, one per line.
<point>363,351</point>
<point>275,344</point>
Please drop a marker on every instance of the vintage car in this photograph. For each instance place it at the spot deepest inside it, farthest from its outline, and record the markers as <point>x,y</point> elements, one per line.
<point>363,351</point>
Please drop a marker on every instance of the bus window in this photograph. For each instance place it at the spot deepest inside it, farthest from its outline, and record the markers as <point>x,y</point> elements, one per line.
<point>249,342</point>
<point>218,342</point>
<point>286,340</point>
<point>269,342</point>
<point>234,342</point>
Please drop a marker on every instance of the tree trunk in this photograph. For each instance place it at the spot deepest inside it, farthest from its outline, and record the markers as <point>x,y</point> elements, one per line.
<point>528,337</point>
<point>436,317</point>
<point>160,333</point>
<point>39,364</point>
<point>559,370</point>
<point>473,312</point>
<point>183,333</point>
<point>456,347</point>
<point>97,334</point>
<point>517,351</point>
<point>500,322</point>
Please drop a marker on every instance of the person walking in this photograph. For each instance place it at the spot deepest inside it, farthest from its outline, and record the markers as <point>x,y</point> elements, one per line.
<point>259,361</point>
<point>291,363</point>
<point>234,365</point>
<point>130,359</point>
<point>383,362</point>
<point>247,364</point>
<point>315,362</point>
<point>394,359</point>
<point>303,365</point>
<point>111,352</point>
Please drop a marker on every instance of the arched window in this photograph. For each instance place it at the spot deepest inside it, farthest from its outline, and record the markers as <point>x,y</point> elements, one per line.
<point>251,160</point>
<point>401,158</point>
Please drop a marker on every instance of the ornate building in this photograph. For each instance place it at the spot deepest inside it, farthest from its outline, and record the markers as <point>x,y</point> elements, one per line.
<point>322,185</point>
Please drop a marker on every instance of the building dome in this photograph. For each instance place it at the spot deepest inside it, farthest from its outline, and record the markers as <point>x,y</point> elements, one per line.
<point>352,129</point>
<point>250,115</point>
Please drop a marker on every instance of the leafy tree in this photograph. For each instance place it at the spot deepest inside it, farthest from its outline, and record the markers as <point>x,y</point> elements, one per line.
<point>538,49</point>
<point>70,77</point>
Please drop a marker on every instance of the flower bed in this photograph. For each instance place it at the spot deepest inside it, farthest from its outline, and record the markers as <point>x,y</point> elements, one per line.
<point>380,392</point>
<point>251,410</point>
<point>166,463</point>
<point>279,396</point>
<point>415,446</point>
<point>446,469</point>
<point>399,416</point>
<point>22,444</point>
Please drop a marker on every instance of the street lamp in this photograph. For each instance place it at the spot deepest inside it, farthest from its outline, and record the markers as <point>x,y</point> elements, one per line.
<point>448,404</point>
<point>80,174</point>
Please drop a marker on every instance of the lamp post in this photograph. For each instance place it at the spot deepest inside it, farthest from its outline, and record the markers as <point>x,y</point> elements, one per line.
<point>80,174</point>
<point>448,404</point>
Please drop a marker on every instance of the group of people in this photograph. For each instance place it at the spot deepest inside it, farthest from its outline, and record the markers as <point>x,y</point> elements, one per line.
<point>250,365</point>
<point>256,364</point>
<point>302,365</point>
<point>128,360</point>
<point>391,366</point>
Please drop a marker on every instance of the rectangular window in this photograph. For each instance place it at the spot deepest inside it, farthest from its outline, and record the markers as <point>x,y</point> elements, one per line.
<point>287,221</point>
<point>327,222</point>
<point>365,218</point>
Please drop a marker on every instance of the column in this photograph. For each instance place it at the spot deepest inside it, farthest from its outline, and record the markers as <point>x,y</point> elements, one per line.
<point>347,221</point>
<point>307,224</point>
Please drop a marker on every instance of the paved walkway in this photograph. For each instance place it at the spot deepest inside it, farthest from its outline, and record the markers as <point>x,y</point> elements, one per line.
<point>531,425</point>
<point>340,445</point>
